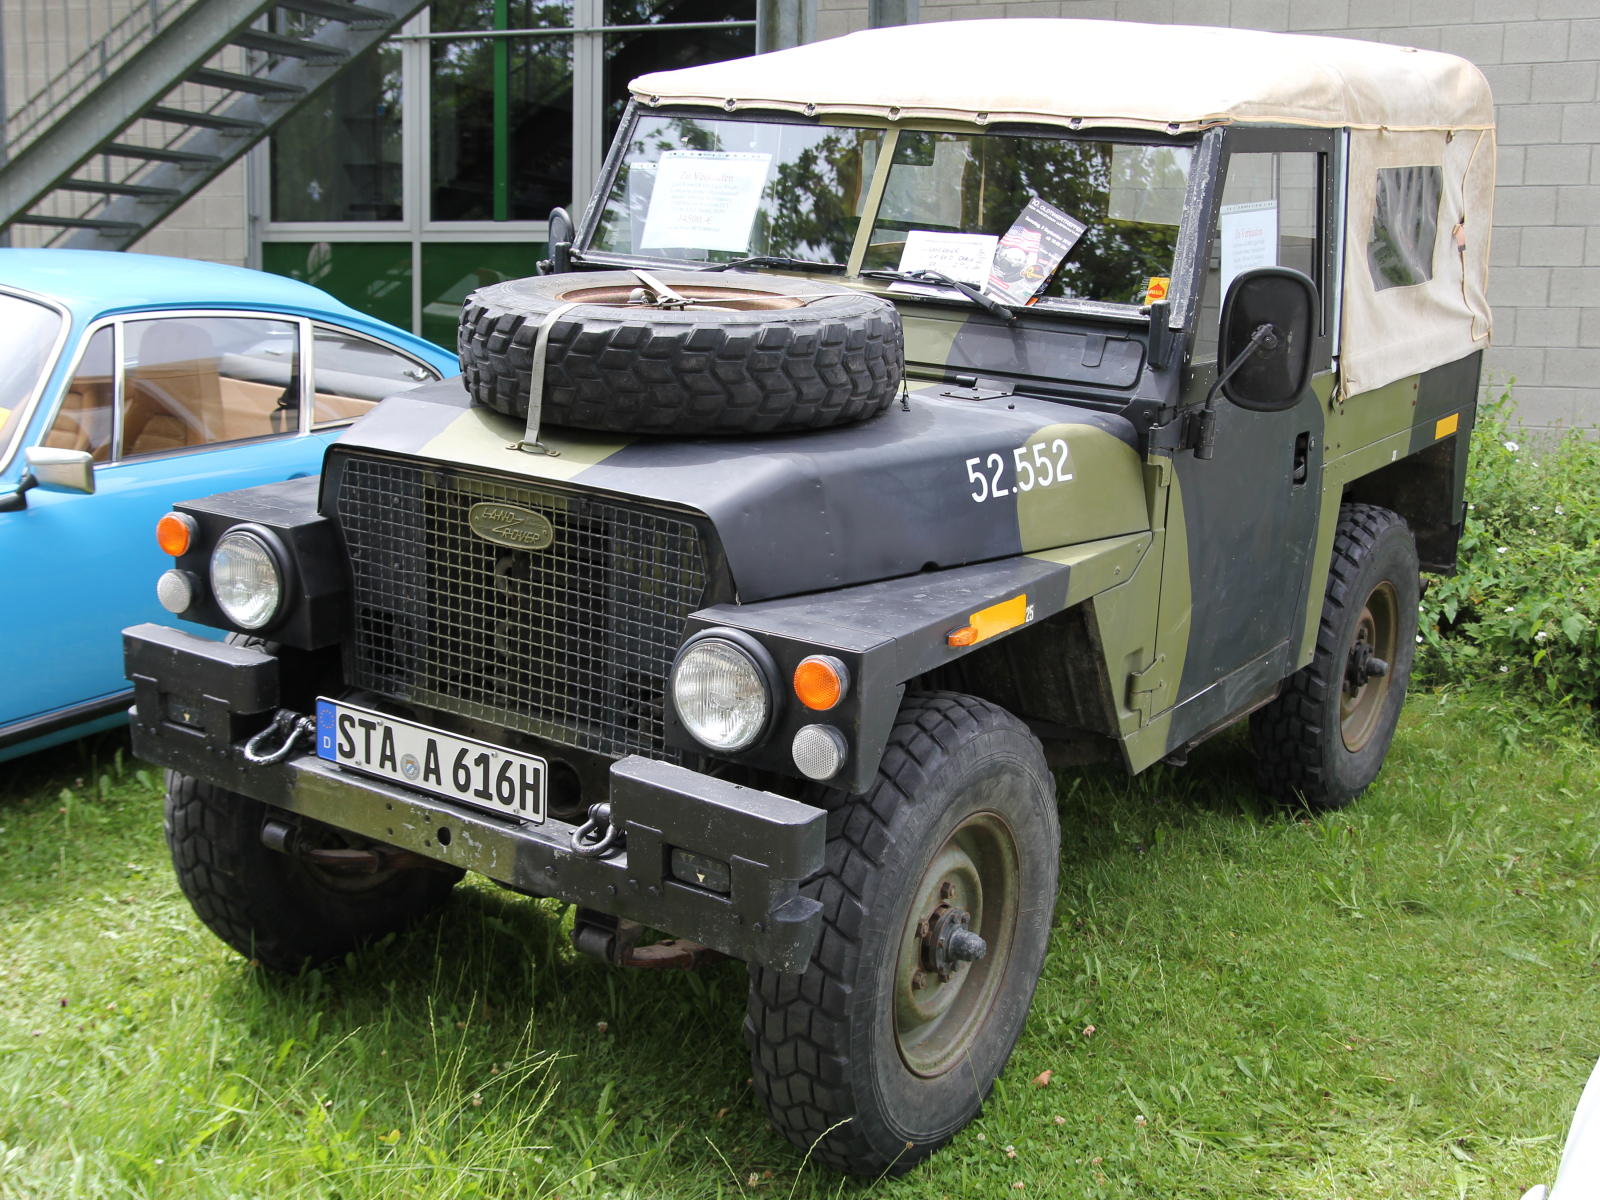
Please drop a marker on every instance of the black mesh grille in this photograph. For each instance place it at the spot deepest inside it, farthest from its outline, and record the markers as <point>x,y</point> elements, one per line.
<point>572,643</point>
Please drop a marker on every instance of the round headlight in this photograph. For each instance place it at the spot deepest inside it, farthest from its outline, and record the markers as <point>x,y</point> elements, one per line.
<point>721,695</point>
<point>245,580</point>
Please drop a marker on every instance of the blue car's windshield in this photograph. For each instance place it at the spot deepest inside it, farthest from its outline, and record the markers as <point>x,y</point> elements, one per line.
<point>28,333</point>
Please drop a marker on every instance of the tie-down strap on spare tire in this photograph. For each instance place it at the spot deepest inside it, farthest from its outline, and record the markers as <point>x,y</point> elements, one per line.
<point>683,352</point>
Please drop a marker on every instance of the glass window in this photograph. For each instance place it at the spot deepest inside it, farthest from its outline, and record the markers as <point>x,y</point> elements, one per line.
<point>501,114</point>
<point>196,381</point>
<point>452,271</point>
<point>979,184</point>
<point>1405,224</point>
<point>631,54</point>
<point>353,373</point>
<point>714,190</point>
<point>359,113</point>
<point>28,333</point>
<point>83,422</point>
<point>1268,217</point>
<point>371,277</point>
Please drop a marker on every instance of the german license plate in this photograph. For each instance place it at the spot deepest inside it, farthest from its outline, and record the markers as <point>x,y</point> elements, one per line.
<point>457,768</point>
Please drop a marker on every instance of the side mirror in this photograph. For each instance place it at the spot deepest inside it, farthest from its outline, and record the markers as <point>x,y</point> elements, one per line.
<point>561,231</point>
<point>1267,372</point>
<point>62,470</point>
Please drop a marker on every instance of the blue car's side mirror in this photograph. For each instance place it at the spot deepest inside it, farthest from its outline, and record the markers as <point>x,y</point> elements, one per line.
<point>54,471</point>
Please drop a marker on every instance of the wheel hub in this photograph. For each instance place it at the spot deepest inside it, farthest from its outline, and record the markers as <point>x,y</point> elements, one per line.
<point>947,942</point>
<point>1367,673</point>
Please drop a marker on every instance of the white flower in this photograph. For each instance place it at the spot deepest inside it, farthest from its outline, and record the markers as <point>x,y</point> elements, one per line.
<point>1419,639</point>
<point>1472,508</point>
<point>1541,636</point>
<point>1513,447</point>
<point>1505,670</point>
<point>1560,512</point>
<point>1535,507</point>
<point>1501,549</point>
<point>1510,610</point>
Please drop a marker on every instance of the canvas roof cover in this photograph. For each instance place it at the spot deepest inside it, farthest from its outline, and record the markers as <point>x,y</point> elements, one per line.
<point>1095,73</point>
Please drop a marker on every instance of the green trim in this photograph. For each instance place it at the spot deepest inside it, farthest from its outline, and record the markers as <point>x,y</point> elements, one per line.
<point>502,114</point>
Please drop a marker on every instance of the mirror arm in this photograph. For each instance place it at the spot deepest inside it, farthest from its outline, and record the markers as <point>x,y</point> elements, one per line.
<point>16,501</point>
<point>1206,442</point>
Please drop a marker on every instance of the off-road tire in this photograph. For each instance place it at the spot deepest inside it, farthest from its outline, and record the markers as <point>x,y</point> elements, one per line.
<point>1300,750</point>
<point>269,906</point>
<point>838,358</point>
<point>824,1052</point>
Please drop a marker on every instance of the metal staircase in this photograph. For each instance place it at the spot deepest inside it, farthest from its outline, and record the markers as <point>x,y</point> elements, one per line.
<point>143,116</point>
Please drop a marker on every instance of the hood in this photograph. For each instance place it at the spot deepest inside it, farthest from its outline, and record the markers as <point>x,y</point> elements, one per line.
<point>933,482</point>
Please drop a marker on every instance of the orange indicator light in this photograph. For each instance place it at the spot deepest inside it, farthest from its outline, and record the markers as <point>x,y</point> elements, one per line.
<point>174,532</point>
<point>821,681</point>
<point>964,636</point>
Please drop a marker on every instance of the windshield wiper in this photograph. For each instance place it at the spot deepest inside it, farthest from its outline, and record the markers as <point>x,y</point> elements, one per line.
<point>773,260</point>
<point>988,304</point>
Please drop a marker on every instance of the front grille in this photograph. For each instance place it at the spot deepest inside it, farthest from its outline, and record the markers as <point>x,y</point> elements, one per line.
<point>572,643</point>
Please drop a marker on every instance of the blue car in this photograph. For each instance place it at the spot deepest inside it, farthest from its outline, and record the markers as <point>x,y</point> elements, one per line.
<point>129,382</point>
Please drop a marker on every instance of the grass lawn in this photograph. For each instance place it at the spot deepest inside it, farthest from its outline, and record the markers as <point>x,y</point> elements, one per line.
<point>1397,1000</point>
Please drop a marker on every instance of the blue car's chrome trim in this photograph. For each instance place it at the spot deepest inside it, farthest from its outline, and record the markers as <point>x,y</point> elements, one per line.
<point>24,413</point>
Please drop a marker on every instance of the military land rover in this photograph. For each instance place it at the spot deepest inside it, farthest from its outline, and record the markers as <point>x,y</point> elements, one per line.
<point>909,415</point>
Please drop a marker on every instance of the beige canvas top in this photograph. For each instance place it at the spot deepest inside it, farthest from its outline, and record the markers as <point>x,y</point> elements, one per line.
<point>1095,73</point>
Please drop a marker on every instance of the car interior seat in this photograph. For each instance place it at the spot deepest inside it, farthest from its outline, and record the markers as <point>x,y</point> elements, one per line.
<point>174,396</point>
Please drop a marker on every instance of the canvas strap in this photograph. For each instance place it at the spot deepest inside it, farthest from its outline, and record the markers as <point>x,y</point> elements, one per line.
<point>530,443</point>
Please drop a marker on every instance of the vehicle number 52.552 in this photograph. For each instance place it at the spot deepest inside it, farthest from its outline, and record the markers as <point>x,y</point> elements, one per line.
<point>1034,465</point>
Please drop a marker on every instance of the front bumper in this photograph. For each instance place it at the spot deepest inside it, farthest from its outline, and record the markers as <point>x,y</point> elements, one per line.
<point>196,702</point>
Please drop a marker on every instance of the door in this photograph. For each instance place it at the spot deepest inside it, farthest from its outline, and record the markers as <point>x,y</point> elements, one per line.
<point>1251,511</point>
<point>170,408</point>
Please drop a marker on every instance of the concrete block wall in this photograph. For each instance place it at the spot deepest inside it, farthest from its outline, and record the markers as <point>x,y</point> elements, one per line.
<point>1542,58</point>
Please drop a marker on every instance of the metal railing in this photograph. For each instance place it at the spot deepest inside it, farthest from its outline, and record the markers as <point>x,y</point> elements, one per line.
<point>54,52</point>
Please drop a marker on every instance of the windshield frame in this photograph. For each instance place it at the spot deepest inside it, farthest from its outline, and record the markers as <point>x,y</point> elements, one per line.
<point>1186,253</point>
<point>24,414</point>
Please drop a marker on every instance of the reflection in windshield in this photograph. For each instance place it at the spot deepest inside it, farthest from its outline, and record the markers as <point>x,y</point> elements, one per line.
<point>718,190</point>
<point>1131,198</point>
<point>28,333</point>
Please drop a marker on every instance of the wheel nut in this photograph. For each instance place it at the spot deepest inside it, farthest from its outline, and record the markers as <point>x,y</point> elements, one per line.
<point>947,890</point>
<point>918,980</point>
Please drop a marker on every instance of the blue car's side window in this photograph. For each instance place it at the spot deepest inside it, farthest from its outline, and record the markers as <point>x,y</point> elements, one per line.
<point>353,373</point>
<point>85,419</point>
<point>199,381</point>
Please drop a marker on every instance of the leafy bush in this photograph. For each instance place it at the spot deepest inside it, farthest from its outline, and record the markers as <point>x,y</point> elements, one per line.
<point>1524,606</point>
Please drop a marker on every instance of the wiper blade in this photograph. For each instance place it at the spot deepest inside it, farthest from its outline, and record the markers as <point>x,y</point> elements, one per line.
<point>773,260</point>
<point>987,303</point>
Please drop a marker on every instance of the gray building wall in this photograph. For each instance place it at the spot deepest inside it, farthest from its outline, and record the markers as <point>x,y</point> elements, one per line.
<point>1542,58</point>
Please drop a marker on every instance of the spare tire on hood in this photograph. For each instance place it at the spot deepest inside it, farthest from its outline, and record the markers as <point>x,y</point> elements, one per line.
<point>707,353</point>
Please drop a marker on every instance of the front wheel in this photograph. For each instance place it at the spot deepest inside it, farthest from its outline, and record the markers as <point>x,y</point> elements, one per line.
<point>938,897</point>
<point>283,912</point>
<point>1323,740</point>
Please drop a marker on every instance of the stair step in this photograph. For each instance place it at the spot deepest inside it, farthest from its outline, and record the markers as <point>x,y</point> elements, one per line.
<point>107,188</point>
<point>184,158</point>
<point>79,223</point>
<point>205,120</point>
<point>274,43</point>
<point>254,84</point>
<point>353,15</point>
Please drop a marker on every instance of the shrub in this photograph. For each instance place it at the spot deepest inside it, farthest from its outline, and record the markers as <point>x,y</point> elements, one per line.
<point>1524,605</point>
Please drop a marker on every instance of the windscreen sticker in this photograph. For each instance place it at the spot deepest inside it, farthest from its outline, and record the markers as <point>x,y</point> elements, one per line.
<point>704,200</point>
<point>968,257</point>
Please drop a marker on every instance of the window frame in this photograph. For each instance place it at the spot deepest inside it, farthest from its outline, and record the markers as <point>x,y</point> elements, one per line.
<point>309,384</point>
<point>29,408</point>
<point>116,323</point>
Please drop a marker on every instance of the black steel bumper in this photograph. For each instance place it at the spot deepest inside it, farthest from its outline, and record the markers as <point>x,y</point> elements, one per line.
<point>197,701</point>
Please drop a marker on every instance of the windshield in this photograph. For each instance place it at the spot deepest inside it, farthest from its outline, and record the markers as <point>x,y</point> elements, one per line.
<point>716,190</point>
<point>1077,219</point>
<point>28,333</point>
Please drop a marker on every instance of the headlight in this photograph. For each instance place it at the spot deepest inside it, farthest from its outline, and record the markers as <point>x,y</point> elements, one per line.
<point>245,580</point>
<point>721,694</point>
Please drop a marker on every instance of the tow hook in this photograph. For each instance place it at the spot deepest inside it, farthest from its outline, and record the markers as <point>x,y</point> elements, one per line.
<point>616,941</point>
<point>1363,664</point>
<point>946,941</point>
<point>597,837</point>
<point>290,726</point>
<point>286,839</point>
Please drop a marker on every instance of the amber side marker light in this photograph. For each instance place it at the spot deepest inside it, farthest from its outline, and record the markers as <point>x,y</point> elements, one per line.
<point>174,532</point>
<point>964,636</point>
<point>821,681</point>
